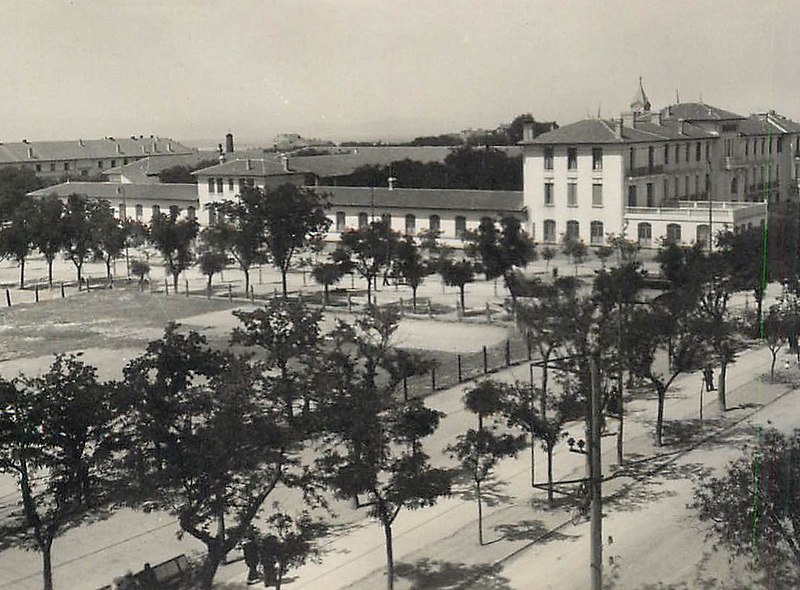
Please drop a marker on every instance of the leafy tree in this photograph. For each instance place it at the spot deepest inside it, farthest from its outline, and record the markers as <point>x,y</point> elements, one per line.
<point>140,269</point>
<point>292,543</point>
<point>56,438</point>
<point>183,174</point>
<point>79,233</point>
<point>547,322</point>
<point>372,447</point>
<point>327,274</point>
<point>775,336</point>
<point>745,270</point>
<point>110,237</point>
<point>204,440</point>
<point>409,264</point>
<point>173,238</point>
<point>295,221</point>
<point>548,254</point>
<point>457,273</point>
<point>603,253</point>
<point>210,260</point>
<point>15,184</point>
<point>479,450</point>
<point>501,251</point>
<point>483,169</point>
<point>240,230</point>
<point>369,250</point>
<point>515,129</point>
<point>575,249</point>
<point>16,238</point>
<point>754,506</point>
<point>650,330</point>
<point>47,230</point>
<point>289,335</point>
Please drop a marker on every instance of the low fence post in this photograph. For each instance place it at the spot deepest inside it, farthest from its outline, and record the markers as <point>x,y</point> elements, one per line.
<point>458,360</point>
<point>349,302</point>
<point>485,360</point>
<point>208,292</point>
<point>304,278</point>
<point>508,353</point>
<point>166,287</point>
<point>528,343</point>
<point>230,292</point>
<point>430,309</point>
<point>62,291</point>
<point>495,287</point>
<point>8,297</point>
<point>433,379</point>
<point>252,294</point>
<point>186,281</point>
<point>488,312</point>
<point>259,274</point>
<point>36,292</point>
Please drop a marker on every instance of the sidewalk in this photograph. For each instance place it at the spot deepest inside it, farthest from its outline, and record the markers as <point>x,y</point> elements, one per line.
<point>446,533</point>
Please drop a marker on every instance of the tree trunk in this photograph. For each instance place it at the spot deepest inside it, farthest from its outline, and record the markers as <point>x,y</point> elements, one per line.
<point>549,474</point>
<point>723,370</point>
<point>387,532</point>
<point>621,408</point>
<point>480,511</point>
<point>246,272</point>
<point>414,298</point>
<point>533,460</point>
<point>79,268</point>
<point>47,566</point>
<point>49,272</point>
<point>369,291</point>
<point>108,268</point>
<point>325,298</point>
<point>175,277</point>
<point>461,290</point>
<point>772,366</point>
<point>208,284</point>
<point>209,569</point>
<point>660,417</point>
<point>283,283</point>
<point>22,274</point>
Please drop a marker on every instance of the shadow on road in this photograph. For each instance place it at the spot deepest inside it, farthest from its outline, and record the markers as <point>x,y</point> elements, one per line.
<point>427,574</point>
<point>491,491</point>
<point>530,530</point>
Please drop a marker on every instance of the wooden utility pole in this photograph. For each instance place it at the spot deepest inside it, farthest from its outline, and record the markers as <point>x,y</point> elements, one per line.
<point>595,480</point>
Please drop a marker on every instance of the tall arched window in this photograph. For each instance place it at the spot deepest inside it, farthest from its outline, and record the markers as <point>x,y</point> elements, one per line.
<point>122,212</point>
<point>340,221</point>
<point>435,223</point>
<point>411,224</point>
<point>139,212</point>
<point>156,211</point>
<point>174,211</point>
<point>574,229</point>
<point>363,220</point>
<point>674,233</point>
<point>461,226</point>
<point>596,235</point>
<point>734,185</point>
<point>191,213</point>
<point>387,219</point>
<point>645,233</point>
<point>702,234</point>
<point>549,231</point>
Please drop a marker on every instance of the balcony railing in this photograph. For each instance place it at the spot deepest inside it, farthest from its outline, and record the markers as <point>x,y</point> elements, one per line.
<point>645,171</point>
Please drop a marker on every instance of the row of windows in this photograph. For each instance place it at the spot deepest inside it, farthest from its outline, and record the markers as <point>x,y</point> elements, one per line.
<point>434,223</point>
<point>572,194</point>
<point>67,166</point>
<point>155,211</point>
<point>218,184</point>
<point>644,231</point>
<point>572,158</point>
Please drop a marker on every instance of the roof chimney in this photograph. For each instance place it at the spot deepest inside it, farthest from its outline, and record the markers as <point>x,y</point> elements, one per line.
<point>527,131</point>
<point>30,152</point>
<point>229,143</point>
<point>392,180</point>
<point>169,146</point>
<point>249,164</point>
<point>119,149</point>
<point>285,162</point>
<point>80,142</point>
<point>144,149</point>
<point>681,127</point>
<point>618,128</point>
<point>660,118</point>
<point>629,119</point>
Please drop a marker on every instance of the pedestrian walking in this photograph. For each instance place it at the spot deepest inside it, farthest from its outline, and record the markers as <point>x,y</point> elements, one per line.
<point>250,550</point>
<point>269,560</point>
<point>708,374</point>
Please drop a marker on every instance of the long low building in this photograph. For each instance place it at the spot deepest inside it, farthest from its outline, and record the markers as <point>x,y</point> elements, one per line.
<point>140,202</point>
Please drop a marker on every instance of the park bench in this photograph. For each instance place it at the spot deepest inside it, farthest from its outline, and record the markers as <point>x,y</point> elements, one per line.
<point>169,573</point>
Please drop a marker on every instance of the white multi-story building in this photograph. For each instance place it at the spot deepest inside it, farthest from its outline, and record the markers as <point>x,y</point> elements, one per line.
<point>681,173</point>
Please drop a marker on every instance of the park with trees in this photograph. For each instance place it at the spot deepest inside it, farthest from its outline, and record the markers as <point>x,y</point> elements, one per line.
<point>327,409</point>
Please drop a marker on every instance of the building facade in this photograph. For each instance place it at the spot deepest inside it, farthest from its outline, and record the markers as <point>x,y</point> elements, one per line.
<point>682,173</point>
<point>84,157</point>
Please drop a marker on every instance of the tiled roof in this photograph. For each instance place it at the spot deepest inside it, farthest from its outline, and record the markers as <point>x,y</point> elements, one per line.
<point>89,149</point>
<point>246,167</point>
<point>413,198</point>
<point>114,191</point>
<point>601,131</point>
<point>147,169</point>
<point>698,111</point>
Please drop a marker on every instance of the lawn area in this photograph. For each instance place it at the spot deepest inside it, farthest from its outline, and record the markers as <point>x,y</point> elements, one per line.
<point>114,318</point>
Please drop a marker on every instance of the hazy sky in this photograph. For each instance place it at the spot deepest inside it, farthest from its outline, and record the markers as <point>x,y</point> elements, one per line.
<point>196,69</point>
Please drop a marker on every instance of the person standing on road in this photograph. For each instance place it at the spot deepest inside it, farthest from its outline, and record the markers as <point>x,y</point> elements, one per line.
<point>708,374</point>
<point>147,578</point>
<point>250,550</point>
